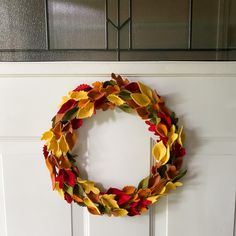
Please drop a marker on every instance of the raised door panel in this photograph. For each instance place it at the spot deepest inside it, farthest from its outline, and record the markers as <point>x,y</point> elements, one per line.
<point>204,99</point>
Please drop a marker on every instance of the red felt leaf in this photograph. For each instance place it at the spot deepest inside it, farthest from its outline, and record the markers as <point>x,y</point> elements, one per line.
<point>45,151</point>
<point>133,87</point>
<point>76,123</point>
<point>68,198</point>
<point>84,87</point>
<point>121,197</point>
<point>66,176</point>
<point>66,106</point>
<point>166,119</point>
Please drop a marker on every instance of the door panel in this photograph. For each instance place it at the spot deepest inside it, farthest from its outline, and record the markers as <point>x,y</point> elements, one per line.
<point>202,95</point>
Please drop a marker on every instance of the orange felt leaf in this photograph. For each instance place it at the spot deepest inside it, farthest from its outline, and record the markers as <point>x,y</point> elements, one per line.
<point>129,190</point>
<point>97,84</point>
<point>65,163</point>
<point>94,94</point>
<point>112,89</point>
<point>132,104</point>
<point>83,103</point>
<point>142,112</point>
<point>68,128</point>
<point>144,193</point>
<point>57,130</point>
<point>71,140</point>
<point>77,199</point>
<point>162,129</point>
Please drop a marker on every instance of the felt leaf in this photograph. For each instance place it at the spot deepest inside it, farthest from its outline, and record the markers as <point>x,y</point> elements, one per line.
<point>162,129</point>
<point>159,151</point>
<point>86,111</point>
<point>179,176</point>
<point>91,206</point>
<point>153,199</point>
<point>78,95</point>
<point>171,186</point>
<point>124,94</point>
<point>59,190</point>
<point>180,138</point>
<point>67,106</point>
<point>54,147</point>
<point>89,186</point>
<point>126,108</point>
<point>141,99</point>
<point>70,114</point>
<point>71,140</point>
<point>47,135</point>
<point>95,94</point>
<point>145,90</point>
<point>68,189</point>
<point>143,112</point>
<point>172,136</point>
<point>143,183</point>
<point>166,158</point>
<point>109,201</point>
<point>64,147</point>
<point>115,99</point>
<point>129,190</point>
<point>76,198</point>
<point>119,212</point>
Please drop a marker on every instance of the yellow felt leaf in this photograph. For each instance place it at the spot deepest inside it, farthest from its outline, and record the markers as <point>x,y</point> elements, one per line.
<point>159,151</point>
<point>115,99</point>
<point>91,206</point>
<point>153,199</point>
<point>109,201</point>
<point>172,186</point>
<point>47,135</point>
<point>172,136</point>
<point>78,95</point>
<point>86,111</point>
<point>59,190</point>
<point>180,138</point>
<point>64,147</point>
<point>119,212</point>
<point>141,99</point>
<point>89,186</point>
<point>166,158</point>
<point>145,90</point>
<point>54,147</point>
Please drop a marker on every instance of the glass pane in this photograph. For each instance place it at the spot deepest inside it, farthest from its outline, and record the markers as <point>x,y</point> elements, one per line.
<point>232,25</point>
<point>77,24</point>
<point>204,24</point>
<point>160,24</point>
<point>22,24</point>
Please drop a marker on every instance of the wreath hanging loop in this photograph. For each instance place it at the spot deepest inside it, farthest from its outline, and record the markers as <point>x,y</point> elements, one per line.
<point>168,150</point>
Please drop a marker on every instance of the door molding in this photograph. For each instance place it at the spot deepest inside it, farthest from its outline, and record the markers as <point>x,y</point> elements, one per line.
<point>101,69</point>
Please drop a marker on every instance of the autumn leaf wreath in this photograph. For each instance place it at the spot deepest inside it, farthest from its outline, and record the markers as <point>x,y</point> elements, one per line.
<point>168,150</point>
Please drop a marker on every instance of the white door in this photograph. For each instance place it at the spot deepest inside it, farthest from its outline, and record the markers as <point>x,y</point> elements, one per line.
<point>202,94</point>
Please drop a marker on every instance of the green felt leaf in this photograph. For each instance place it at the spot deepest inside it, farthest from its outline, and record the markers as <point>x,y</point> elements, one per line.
<point>173,118</point>
<point>71,157</point>
<point>143,183</point>
<point>161,170</point>
<point>179,176</point>
<point>109,82</point>
<point>80,191</point>
<point>68,189</point>
<point>125,94</point>
<point>126,108</point>
<point>71,114</point>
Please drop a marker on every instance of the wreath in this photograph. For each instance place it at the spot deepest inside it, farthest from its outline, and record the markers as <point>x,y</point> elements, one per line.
<point>168,150</point>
